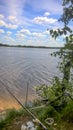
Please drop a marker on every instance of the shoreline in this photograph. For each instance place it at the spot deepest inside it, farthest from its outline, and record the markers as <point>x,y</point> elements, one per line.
<point>24,46</point>
<point>4,105</point>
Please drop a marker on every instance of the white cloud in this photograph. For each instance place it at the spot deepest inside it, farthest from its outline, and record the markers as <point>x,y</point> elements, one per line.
<point>12,19</point>
<point>32,35</point>
<point>25,31</point>
<point>46,14</point>
<point>44,20</point>
<point>2,31</point>
<point>14,7</point>
<point>46,32</point>
<point>16,10</point>
<point>1,16</point>
<point>9,33</point>
<point>40,35</point>
<point>20,35</point>
<point>11,26</point>
<point>2,23</point>
<point>36,39</point>
<point>9,40</point>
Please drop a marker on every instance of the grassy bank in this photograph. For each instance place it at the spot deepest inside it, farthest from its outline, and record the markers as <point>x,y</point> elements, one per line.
<point>14,119</point>
<point>63,120</point>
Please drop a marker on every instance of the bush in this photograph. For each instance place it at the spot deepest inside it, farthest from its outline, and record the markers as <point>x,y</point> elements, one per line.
<point>67,114</point>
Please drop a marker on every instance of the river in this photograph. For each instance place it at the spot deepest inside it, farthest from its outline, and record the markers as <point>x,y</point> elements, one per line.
<point>20,67</point>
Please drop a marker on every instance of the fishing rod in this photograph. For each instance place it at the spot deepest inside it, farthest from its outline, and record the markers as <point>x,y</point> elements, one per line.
<point>36,119</point>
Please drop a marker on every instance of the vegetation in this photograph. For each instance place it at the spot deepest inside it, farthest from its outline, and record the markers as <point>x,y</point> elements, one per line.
<point>14,119</point>
<point>59,96</point>
<point>66,53</point>
<point>63,119</point>
<point>57,99</point>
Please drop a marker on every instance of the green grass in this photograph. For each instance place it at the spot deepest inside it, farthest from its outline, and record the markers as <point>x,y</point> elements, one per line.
<point>10,116</point>
<point>63,119</point>
<point>67,113</point>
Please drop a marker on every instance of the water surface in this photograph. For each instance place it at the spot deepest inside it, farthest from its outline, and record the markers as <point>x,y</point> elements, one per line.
<point>20,67</point>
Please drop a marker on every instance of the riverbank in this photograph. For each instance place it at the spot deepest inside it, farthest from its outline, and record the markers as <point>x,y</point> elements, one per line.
<point>12,103</point>
<point>63,120</point>
<point>13,119</point>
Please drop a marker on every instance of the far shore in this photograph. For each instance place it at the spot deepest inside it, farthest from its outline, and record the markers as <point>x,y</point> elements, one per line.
<point>24,46</point>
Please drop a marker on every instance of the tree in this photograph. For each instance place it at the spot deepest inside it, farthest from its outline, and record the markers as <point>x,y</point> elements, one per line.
<point>65,53</point>
<point>60,90</point>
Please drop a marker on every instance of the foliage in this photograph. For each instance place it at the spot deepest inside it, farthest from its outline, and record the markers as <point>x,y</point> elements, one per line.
<point>60,110</point>
<point>55,95</point>
<point>67,113</point>
<point>10,116</point>
<point>66,18</point>
<point>65,53</point>
<point>67,11</point>
<point>62,90</point>
<point>45,92</point>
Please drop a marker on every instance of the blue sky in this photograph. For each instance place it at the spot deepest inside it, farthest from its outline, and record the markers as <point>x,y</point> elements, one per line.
<point>25,22</point>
